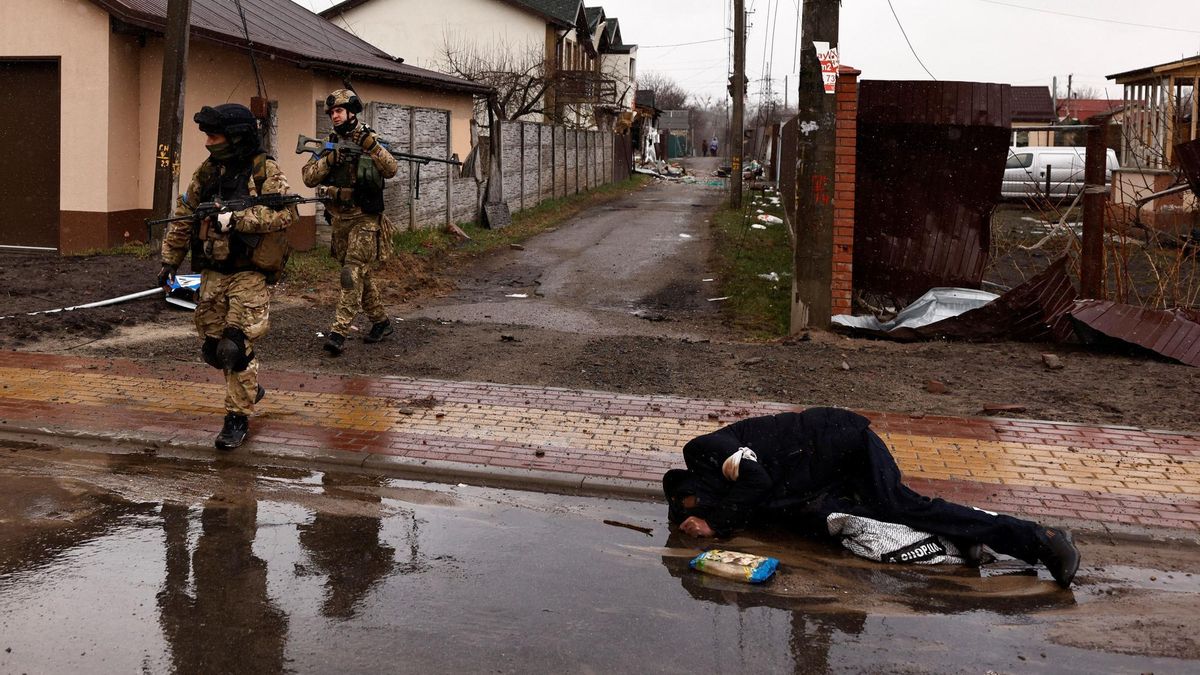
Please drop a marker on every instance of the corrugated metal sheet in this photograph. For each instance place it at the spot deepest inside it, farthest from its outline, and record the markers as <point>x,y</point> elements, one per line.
<point>283,28</point>
<point>930,162</point>
<point>1035,311</point>
<point>1174,334</point>
<point>1188,155</point>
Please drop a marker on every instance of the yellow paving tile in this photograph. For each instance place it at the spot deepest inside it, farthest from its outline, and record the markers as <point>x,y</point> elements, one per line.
<point>1132,472</point>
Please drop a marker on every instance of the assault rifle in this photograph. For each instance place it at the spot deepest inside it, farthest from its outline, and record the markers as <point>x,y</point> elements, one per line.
<point>318,147</point>
<point>205,210</point>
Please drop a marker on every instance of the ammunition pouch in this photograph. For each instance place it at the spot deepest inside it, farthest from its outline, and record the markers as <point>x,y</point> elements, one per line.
<point>368,186</point>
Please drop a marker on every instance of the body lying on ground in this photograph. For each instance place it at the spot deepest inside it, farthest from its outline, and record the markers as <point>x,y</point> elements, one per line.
<point>799,469</point>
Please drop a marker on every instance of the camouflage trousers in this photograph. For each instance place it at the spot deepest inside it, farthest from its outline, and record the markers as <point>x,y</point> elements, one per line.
<point>241,301</point>
<point>358,244</point>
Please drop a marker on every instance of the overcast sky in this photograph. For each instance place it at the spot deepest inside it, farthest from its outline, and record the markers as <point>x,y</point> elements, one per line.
<point>1023,42</point>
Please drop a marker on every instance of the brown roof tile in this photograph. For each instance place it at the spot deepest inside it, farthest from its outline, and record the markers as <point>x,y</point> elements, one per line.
<point>1032,104</point>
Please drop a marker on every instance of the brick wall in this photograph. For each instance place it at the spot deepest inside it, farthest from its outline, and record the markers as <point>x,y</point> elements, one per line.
<point>842,290</point>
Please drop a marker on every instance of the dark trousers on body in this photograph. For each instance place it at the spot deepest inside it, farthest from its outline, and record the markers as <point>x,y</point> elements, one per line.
<point>865,481</point>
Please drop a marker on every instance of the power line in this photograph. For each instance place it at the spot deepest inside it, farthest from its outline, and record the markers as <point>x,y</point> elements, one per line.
<point>910,46</point>
<point>681,44</point>
<point>1091,18</point>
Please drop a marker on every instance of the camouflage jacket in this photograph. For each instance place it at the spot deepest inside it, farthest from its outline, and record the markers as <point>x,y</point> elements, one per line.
<point>182,235</point>
<point>319,170</point>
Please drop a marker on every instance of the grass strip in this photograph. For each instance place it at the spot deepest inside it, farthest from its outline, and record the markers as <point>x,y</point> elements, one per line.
<point>745,258</point>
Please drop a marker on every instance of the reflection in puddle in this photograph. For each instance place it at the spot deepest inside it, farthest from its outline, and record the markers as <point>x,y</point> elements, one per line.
<point>160,566</point>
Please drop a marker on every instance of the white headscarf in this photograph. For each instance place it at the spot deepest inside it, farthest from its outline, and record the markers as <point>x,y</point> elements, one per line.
<point>731,465</point>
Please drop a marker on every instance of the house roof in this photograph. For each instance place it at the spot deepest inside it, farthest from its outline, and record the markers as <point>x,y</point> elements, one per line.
<point>1032,104</point>
<point>594,16</point>
<point>1087,108</point>
<point>1190,63</point>
<point>287,31</point>
<point>560,12</point>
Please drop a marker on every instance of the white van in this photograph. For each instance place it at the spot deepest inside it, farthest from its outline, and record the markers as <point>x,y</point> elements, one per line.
<point>1031,170</point>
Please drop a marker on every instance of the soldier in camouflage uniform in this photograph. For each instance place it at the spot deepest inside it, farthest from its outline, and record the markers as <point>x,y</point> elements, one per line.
<point>361,233</point>
<point>237,254</point>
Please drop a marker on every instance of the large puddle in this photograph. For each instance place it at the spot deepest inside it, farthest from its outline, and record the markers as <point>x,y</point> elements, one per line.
<point>128,563</point>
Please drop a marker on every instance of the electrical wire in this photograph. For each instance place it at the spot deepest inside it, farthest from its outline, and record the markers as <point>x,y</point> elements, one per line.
<point>910,46</point>
<point>258,79</point>
<point>682,44</point>
<point>1091,18</point>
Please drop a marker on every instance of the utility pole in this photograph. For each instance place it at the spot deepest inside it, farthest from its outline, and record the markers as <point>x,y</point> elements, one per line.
<point>170,109</point>
<point>737,90</point>
<point>812,258</point>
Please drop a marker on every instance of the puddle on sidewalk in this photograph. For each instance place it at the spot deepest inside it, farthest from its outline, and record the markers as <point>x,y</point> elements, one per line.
<point>123,563</point>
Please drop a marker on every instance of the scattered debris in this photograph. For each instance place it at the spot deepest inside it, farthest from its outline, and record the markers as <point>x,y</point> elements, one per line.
<point>769,219</point>
<point>723,297</point>
<point>1032,312</point>
<point>539,453</point>
<point>990,408</point>
<point>517,295</point>
<point>649,316</point>
<point>752,361</point>
<point>644,530</point>
<point>683,235</point>
<point>758,226</point>
<point>1052,361</point>
<point>506,337</point>
<point>845,365</point>
<point>770,276</point>
<point>516,247</point>
<point>935,387</point>
<point>1172,333</point>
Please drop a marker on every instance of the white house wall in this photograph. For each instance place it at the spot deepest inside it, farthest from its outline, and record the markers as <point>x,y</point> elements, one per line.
<point>416,30</point>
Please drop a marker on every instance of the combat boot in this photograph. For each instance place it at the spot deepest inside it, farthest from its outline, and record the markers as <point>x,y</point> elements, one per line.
<point>379,331</point>
<point>1056,550</point>
<point>335,343</point>
<point>234,432</point>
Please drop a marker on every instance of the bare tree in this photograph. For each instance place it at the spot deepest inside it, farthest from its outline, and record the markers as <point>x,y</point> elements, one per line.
<point>517,74</point>
<point>668,95</point>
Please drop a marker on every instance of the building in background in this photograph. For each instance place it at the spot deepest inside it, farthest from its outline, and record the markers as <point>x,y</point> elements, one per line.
<point>94,69</point>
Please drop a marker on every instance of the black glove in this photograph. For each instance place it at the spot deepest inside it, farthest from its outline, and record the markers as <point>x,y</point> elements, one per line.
<point>166,275</point>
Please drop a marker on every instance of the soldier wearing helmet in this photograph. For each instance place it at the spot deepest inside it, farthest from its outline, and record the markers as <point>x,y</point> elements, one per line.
<point>361,236</point>
<point>236,253</point>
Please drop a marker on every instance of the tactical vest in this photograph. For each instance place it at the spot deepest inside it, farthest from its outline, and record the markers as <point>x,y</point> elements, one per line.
<point>266,252</point>
<point>362,175</point>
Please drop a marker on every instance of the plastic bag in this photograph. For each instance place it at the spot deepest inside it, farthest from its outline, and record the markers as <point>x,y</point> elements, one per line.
<point>752,569</point>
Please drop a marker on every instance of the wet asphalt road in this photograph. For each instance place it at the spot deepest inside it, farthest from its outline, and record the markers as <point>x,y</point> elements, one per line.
<point>124,563</point>
<point>618,269</point>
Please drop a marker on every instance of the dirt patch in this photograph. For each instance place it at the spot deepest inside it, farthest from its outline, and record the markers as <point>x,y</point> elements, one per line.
<point>826,368</point>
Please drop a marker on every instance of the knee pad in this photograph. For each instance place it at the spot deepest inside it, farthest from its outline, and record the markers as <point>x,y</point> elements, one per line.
<point>231,350</point>
<point>209,352</point>
<point>347,278</point>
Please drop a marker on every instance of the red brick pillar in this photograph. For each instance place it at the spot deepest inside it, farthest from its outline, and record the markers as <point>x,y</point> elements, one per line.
<point>843,190</point>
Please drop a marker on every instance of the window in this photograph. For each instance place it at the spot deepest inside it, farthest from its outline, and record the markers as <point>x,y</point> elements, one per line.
<point>632,69</point>
<point>1019,161</point>
<point>1020,138</point>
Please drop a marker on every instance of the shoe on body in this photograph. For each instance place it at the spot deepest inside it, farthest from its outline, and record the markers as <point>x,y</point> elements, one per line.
<point>1056,550</point>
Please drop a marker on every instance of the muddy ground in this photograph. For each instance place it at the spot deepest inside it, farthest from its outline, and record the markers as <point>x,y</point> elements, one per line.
<point>664,339</point>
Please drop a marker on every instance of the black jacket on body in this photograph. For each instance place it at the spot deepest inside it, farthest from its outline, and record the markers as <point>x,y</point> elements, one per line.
<point>802,458</point>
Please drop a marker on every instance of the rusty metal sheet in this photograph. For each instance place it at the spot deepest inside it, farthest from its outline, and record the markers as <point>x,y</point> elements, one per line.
<point>1174,334</point>
<point>1188,155</point>
<point>1035,311</point>
<point>930,162</point>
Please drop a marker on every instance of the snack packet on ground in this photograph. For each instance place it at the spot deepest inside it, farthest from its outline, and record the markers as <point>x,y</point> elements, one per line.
<point>753,569</point>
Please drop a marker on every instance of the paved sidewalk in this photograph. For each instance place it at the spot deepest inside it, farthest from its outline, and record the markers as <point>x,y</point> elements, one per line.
<point>1103,477</point>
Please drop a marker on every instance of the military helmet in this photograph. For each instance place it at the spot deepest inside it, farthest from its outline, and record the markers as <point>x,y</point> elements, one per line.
<point>344,98</point>
<point>230,119</point>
